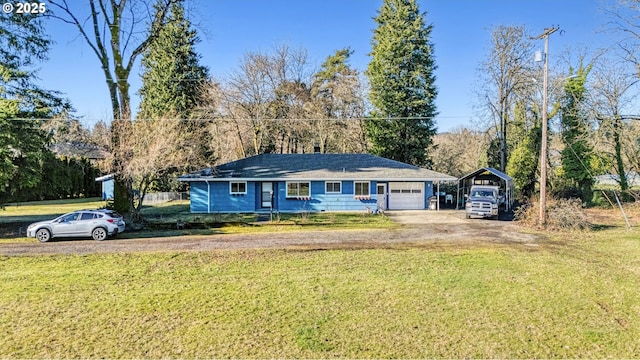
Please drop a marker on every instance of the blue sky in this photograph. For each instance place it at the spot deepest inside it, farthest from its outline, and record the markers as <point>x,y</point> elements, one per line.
<point>230,28</point>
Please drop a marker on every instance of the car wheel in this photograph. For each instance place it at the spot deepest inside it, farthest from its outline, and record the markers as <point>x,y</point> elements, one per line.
<point>43,235</point>
<point>99,234</point>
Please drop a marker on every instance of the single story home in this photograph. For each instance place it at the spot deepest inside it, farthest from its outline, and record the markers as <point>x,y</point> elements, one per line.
<point>312,182</point>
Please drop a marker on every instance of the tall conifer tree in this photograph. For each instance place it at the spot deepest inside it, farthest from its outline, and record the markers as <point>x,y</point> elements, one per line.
<point>173,86</point>
<point>403,91</point>
<point>578,152</point>
<point>23,104</point>
<point>172,80</point>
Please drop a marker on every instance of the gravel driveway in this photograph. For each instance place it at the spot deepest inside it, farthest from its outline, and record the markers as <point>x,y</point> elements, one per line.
<point>415,227</point>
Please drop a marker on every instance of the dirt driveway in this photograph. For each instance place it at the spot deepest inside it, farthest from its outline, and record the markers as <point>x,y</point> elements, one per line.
<point>415,227</point>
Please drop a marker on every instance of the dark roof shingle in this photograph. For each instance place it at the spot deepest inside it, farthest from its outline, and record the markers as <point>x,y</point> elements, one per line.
<point>317,167</point>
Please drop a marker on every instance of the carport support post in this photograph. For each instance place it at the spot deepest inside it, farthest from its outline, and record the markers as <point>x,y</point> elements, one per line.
<point>438,202</point>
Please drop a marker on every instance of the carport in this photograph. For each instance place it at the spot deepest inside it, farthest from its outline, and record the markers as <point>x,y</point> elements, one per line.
<point>487,176</point>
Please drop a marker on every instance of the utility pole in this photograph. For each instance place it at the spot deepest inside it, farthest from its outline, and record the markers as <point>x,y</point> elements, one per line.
<point>543,150</point>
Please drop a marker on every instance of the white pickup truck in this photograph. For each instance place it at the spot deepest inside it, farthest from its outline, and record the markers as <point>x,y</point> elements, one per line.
<point>484,201</point>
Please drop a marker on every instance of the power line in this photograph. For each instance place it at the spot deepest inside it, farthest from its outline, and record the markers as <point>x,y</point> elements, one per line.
<point>248,119</point>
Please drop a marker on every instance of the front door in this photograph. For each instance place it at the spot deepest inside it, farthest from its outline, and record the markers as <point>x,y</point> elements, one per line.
<point>267,192</point>
<point>382,196</point>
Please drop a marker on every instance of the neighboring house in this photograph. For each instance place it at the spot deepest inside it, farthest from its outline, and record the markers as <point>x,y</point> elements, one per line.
<point>311,182</point>
<point>79,150</point>
<point>107,186</point>
<point>633,179</point>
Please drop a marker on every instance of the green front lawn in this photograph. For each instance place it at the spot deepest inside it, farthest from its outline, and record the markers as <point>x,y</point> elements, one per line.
<point>572,296</point>
<point>43,210</point>
<point>162,219</point>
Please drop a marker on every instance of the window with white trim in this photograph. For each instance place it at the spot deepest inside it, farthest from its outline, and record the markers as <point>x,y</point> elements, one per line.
<point>333,187</point>
<point>238,187</point>
<point>298,189</point>
<point>361,188</point>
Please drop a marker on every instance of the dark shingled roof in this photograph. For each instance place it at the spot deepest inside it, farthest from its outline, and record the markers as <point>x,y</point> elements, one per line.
<point>317,167</point>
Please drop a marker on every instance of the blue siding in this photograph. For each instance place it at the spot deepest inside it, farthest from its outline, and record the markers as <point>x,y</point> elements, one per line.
<point>107,189</point>
<point>198,196</point>
<point>428,192</point>
<point>325,202</point>
<point>222,201</point>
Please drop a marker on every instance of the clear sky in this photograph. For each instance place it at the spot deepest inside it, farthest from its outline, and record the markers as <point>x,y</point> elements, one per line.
<point>230,28</point>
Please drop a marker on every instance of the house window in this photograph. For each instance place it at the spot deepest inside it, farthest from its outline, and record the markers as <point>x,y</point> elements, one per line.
<point>361,188</point>
<point>238,188</point>
<point>333,187</point>
<point>297,189</point>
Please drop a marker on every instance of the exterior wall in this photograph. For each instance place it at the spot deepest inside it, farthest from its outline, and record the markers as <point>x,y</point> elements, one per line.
<point>320,201</point>
<point>198,197</point>
<point>223,201</point>
<point>107,189</point>
<point>429,191</point>
<point>215,197</point>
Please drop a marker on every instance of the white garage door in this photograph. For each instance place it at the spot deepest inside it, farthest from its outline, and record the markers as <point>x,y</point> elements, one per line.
<point>406,195</point>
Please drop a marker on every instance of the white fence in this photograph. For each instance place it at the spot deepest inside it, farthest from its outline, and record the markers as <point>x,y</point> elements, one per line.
<point>162,197</point>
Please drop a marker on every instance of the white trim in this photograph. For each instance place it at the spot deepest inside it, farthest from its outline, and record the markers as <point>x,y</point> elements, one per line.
<point>297,195</point>
<point>333,182</point>
<point>317,179</point>
<point>208,197</point>
<point>362,182</point>
<point>231,192</point>
<point>105,178</point>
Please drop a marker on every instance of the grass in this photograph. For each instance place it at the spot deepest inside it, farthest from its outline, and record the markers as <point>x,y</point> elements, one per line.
<point>171,213</point>
<point>162,219</point>
<point>42,210</point>
<point>573,296</point>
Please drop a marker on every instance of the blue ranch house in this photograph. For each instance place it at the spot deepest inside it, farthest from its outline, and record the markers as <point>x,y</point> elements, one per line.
<point>312,182</point>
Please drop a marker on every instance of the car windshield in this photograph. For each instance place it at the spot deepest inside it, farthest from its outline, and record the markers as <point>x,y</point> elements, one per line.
<point>482,193</point>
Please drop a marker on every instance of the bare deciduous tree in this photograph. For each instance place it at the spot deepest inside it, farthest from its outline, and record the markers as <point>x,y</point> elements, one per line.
<point>459,152</point>
<point>273,103</point>
<point>505,74</point>
<point>610,95</point>
<point>157,149</point>
<point>118,32</point>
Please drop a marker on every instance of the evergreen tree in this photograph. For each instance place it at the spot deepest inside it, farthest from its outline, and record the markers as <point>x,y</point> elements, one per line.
<point>401,75</point>
<point>22,104</point>
<point>172,80</point>
<point>335,86</point>
<point>578,152</point>
<point>173,86</point>
<point>524,148</point>
<point>335,92</point>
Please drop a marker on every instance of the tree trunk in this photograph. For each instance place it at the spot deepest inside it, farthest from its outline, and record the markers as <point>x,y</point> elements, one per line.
<point>624,184</point>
